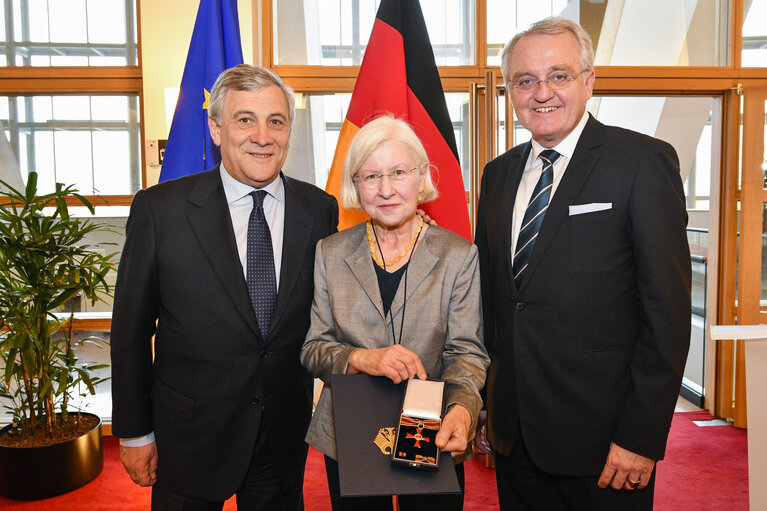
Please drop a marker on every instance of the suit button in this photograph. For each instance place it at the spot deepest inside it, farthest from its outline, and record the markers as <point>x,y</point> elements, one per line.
<point>255,400</point>
<point>264,354</point>
<point>519,306</point>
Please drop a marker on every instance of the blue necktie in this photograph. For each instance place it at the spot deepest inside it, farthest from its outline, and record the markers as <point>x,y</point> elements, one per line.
<point>262,284</point>
<point>536,209</point>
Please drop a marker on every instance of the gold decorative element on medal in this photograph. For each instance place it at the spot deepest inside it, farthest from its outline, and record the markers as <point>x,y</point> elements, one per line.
<point>385,440</point>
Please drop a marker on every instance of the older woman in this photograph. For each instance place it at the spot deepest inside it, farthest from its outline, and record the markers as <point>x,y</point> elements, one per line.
<point>395,297</point>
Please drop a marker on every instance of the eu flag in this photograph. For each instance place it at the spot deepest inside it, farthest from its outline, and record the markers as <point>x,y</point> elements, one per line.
<point>215,47</point>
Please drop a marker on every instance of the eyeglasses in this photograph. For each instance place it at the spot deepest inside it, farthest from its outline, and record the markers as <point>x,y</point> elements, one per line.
<point>372,180</point>
<point>557,80</point>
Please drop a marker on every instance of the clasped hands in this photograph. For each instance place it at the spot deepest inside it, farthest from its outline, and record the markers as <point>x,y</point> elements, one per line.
<point>399,364</point>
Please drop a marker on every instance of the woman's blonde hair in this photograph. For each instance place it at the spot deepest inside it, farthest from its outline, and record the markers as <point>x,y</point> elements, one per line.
<point>383,129</point>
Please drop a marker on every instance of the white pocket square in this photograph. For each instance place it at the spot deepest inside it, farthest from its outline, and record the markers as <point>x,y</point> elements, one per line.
<point>579,209</point>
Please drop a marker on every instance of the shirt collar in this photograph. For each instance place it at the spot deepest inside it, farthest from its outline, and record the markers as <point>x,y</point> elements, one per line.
<point>236,190</point>
<point>566,147</point>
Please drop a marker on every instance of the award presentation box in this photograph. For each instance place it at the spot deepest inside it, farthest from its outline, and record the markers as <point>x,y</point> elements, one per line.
<point>418,425</point>
<point>366,411</point>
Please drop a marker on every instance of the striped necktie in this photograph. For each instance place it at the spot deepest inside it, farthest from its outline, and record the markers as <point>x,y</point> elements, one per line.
<point>536,209</point>
<point>262,283</point>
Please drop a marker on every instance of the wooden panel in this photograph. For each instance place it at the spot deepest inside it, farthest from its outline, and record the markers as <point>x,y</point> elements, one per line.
<point>728,218</point>
<point>736,34</point>
<point>724,377</point>
<point>95,200</point>
<point>752,206</point>
<point>103,324</point>
<point>739,412</point>
<point>752,201</point>
<point>50,80</point>
<point>69,72</point>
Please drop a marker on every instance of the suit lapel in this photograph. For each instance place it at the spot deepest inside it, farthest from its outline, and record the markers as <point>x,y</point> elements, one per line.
<point>578,170</point>
<point>361,265</point>
<point>211,223</point>
<point>508,198</point>
<point>296,241</point>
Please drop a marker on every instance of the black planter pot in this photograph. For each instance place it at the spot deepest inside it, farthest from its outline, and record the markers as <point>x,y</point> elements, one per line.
<point>30,473</point>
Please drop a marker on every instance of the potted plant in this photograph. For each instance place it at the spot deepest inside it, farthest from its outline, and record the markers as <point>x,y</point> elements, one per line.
<point>45,261</point>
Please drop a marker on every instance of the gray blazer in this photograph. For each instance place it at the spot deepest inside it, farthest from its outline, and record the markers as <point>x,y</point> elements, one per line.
<point>443,323</point>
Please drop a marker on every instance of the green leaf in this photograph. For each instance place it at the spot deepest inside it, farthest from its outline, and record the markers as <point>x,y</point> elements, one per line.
<point>31,189</point>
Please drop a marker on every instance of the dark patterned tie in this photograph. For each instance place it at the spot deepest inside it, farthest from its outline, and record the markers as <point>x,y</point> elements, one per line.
<point>262,284</point>
<point>536,209</point>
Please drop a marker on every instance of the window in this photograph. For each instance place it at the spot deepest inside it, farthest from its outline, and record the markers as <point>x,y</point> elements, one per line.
<point>71,33</point>
<point>627,33</point>
<point>88,141</point>
<point>755,34</point>
<point>336,32</point>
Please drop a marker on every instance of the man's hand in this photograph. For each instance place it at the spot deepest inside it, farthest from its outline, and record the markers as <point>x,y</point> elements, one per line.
<point>140,463</point>
<point>453,435</point>
<point>625,469</point>
<point>480,439</point>
<point>395,362</point>
<point>426,218</point>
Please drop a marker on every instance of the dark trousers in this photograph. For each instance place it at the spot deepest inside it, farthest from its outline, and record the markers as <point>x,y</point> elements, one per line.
<point>522,486</point>
<point>259,491</point>
<point>406,502</point>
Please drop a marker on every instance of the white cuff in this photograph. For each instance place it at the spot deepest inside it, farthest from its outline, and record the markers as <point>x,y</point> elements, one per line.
<point>140,441</point>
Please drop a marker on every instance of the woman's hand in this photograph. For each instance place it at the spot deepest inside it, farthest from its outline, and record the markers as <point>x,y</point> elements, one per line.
<point>395,362</point>
<point>453,435</point>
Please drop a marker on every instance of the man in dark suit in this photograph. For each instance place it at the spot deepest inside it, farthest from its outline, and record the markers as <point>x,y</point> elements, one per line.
<point>586,290</point>
<point>220,404</point>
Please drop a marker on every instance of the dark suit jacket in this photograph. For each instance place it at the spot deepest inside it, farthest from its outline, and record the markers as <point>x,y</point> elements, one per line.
<point>213,376</point>
<point>591,348</point>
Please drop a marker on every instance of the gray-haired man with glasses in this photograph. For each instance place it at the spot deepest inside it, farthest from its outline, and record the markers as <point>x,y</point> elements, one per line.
<point>586,290</point>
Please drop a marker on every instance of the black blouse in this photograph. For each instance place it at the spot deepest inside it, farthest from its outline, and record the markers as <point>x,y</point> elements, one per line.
<point>388,284</point>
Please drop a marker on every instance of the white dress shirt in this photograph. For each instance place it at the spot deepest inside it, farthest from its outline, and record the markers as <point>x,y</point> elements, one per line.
<point>241,204</point>
<point>532,173</point>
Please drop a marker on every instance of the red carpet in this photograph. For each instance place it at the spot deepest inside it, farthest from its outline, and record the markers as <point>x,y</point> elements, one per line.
<point>705,469</point>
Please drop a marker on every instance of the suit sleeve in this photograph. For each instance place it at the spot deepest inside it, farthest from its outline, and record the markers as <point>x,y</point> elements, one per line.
<point>333,215</point>
<point>480,239</point>
<point>135,312</point>
<point>465,359</point>
<point>322,354</point>
<point>657,222</point>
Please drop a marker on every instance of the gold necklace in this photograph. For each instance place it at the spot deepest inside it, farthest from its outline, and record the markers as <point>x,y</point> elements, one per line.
<point>371,242</point>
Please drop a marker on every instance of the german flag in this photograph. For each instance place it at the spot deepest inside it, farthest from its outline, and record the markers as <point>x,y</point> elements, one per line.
<point>398,75</point>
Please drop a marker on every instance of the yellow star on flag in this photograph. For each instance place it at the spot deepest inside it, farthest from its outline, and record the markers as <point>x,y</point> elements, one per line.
<point>207,99</point>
